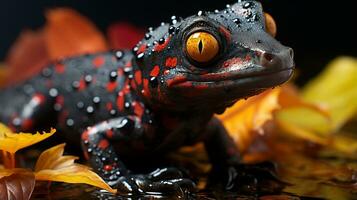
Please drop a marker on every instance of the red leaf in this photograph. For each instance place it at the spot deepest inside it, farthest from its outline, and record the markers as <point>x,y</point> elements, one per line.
<point>124,35</point>
<point>26,57</point>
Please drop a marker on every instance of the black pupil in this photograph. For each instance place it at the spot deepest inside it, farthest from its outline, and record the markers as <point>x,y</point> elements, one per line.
<point>200,46</point>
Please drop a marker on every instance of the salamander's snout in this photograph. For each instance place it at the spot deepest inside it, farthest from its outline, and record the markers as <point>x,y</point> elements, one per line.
<point>282,60</point>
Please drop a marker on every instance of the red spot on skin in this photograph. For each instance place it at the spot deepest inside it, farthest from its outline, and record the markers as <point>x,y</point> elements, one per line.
<point>63,117</point>
<point>133,85</point>
<point>178,79</point>
<point>49,83</point>
<point>85,136</point>
<point>166,72</point>
<point>82,85</point>
<point>138,108</point>
<point>108,168</point>
<point>146,91</point>
<point>27,124</point>
<point>109,106</point>
<point>60,100</point>
<point>39,98</point>
<point>128,64</point>
<point>138,79</point>
<point>141,49</point>
<point>201,86</point>
<point>111,86</point>
<point>248,58</point>
<point>171,62</point>
<point>120,72</point>
<point>109,134</point>
<point>232,61</point>
<point>59,68</point>
<point>161,47</point>
<point>226,33</point>
<point>103,144</point>
<point>155,71</point>
<point>120,101</point>
<point>98,61</point>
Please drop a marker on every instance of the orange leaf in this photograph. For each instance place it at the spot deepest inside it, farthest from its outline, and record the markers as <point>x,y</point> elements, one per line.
<point>26,57</point>
<point>53,166</point>
<point>3,74</point>
<point>246,118</point>
<point>12,142</point>
<point>68,34</point>
<point>16,184</point>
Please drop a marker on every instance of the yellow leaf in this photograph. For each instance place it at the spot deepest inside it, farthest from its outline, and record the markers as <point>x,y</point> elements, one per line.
<point>53,166</point>
<point>336,90</point>
<point>246,118</point>
<point>12,142</point>
<point>9,172</point>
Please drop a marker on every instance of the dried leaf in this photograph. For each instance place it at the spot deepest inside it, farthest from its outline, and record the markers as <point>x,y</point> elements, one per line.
<point>123,35</point>
<point>16,184</point>
<point>53,166</point>
<point>12,142</point>
<point>3,74</point>
<point>246,118</point>
<point>27,56</point>
<point>68,34</point>
<point>336,90</point>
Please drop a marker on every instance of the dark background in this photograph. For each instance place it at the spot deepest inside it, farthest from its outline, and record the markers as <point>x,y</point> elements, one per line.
<point>317,30</point>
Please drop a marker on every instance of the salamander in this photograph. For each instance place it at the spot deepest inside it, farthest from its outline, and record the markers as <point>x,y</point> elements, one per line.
<point>157,97</point>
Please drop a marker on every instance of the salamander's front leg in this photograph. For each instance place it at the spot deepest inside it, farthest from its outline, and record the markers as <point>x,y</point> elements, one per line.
<point>225,158</point>
<point>98,148</point>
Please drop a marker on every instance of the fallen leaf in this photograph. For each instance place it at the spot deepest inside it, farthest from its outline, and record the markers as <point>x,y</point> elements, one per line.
<point>123,35</point>
<point>336,90</point>
<point>53,166</point>
<point>12,142</point>
<point>246,118</point>
<point>16,184</point>
<point>4,71</point>
<point>27,56</point>
<point>68,33</point>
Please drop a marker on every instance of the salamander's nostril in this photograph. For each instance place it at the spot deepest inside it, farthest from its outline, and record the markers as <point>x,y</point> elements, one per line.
<point>269,57</point>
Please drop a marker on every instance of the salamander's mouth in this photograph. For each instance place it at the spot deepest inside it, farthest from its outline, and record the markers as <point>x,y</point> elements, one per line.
<point>254,80</point>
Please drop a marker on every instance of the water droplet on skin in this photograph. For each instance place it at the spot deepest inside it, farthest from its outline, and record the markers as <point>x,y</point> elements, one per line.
<point>96,100</point>
<point>140,56</point>
<point>147,36</point>
<point>119,55</point>
<point>53,92</point>
<point>90,110</point>
<point>127,105</point>
<point>113,112</point>
<point>57,107</point>
<point>237,21</point>
<point>162,41</point>
<point>70,122</point>
<point>172,30</point>
<point>153,82</point>
<point>88,79</point>
<point>80,105</point>
<point>247,5</point>
<point>113,76</point>
<point>75,85</point>
<point>47,72</point>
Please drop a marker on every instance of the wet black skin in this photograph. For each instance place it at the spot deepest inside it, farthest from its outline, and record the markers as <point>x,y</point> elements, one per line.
<point>172,112</point>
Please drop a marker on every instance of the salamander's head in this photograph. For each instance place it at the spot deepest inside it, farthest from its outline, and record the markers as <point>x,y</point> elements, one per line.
<point>212,59</point>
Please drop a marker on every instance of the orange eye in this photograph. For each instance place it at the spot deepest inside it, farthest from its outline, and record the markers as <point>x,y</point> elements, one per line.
<point>202,47</point>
